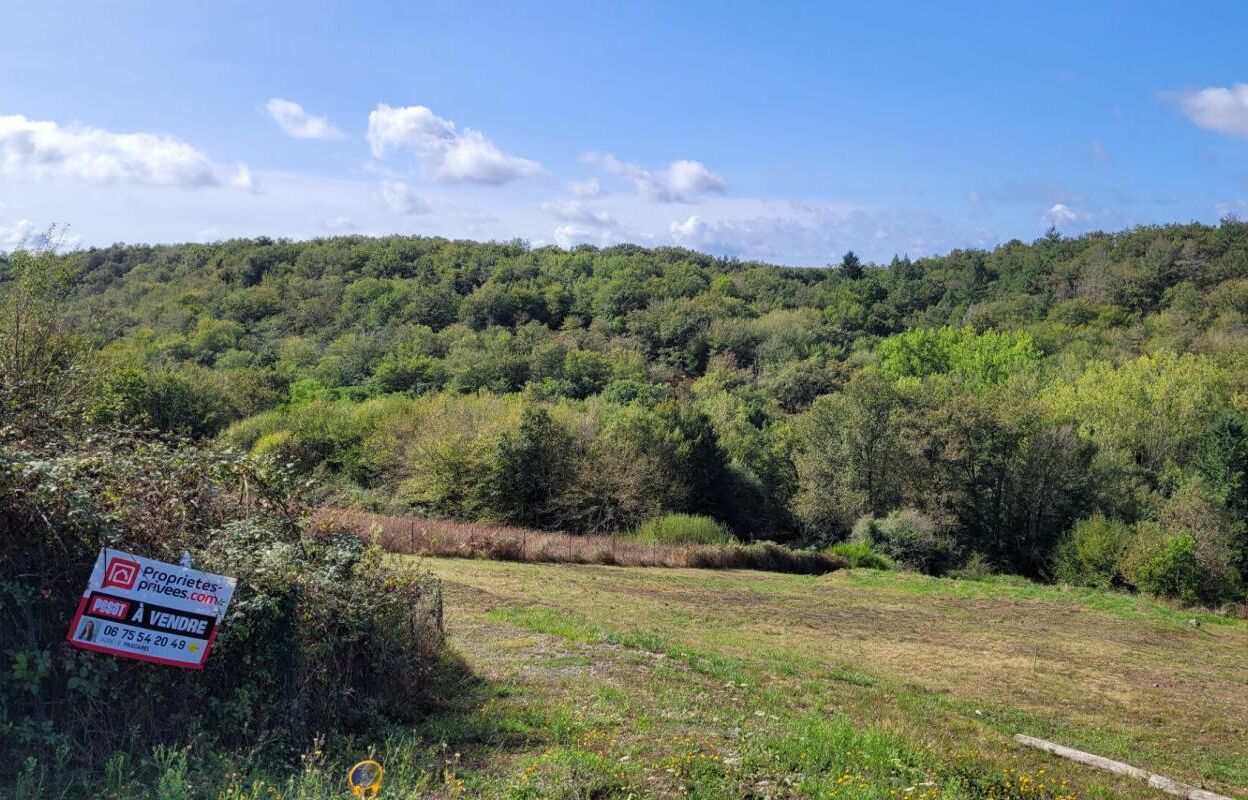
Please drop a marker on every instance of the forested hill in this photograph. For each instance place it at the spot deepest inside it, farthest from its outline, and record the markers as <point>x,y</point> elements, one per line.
<point>1069,407</point>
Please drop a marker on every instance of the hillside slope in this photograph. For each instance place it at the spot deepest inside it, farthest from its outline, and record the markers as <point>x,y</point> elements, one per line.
<point>1070,408</point>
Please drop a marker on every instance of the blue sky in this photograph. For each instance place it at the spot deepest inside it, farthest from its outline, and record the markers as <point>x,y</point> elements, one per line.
<point>788,132</point>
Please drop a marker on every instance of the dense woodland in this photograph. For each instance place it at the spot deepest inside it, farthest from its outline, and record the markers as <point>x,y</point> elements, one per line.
<point>1071,409</point>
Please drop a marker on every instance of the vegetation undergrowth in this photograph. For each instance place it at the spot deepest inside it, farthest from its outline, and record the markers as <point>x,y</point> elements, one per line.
<point>324,636</point>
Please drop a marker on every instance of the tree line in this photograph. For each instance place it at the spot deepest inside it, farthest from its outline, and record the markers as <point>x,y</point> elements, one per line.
<point>1066,409</point>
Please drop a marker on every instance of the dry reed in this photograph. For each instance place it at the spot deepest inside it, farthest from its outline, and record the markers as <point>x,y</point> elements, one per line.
<point>432,537</point>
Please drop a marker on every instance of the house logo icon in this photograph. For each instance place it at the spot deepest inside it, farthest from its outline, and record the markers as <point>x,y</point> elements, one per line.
<point>121,572</point>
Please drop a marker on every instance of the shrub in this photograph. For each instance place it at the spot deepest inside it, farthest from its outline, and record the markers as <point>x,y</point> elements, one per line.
<point>415,374</point>
<point>860,555</point>
<point>1189,553</point>
<point>323,636</point>
<point>683,529</point>
<point>976,568</point>
<point>1180,565</point>
<point>1169,568</point>
<point>192,401</point>
<point>910,538</point>
<point>1090,554</point>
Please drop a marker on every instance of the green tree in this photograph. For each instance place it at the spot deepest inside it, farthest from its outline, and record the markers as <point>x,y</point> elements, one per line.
<point>848,456</point>
<point>851,266</point>
<point>530,470</point>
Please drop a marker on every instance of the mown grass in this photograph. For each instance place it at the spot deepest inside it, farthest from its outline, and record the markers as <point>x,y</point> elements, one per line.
<point>1121,605</point>
<point>605,682</point>
<point>946,670</point>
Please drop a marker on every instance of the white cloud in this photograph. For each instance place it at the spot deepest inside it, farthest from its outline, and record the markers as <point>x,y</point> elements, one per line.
<point>243,179</point>
<point>1218,108</point>
<point>1075,220</point>
<point>43,149</point>
<point>26,235</point>
<point>401,199</point>
<point>299,206</point>
<point>448,154</point>
<point>18,235</point>
<point>340,224</point>
<point>298,123</point>
<point>681,181</point>
<point>690,230</point>
<point>585,225</point>
<point>1060,212</point>
<point>571,235</point>
<point>575,211</point>
<point>812,234</point>
<point>586,189</point>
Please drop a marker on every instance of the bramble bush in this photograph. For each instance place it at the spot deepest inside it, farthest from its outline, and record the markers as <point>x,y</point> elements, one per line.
<point>910,538</point>
<point>323,637</point>
<point>1090,554</point>
<point>860,555</point>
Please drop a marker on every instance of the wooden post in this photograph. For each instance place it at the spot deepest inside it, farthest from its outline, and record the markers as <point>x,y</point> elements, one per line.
<point>1167,785</point>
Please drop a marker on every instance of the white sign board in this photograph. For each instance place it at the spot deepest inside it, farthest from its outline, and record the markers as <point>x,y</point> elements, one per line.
<point>135,607</point>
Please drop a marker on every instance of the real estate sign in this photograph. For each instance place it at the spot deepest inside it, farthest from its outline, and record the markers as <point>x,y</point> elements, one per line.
<point>135,607</point>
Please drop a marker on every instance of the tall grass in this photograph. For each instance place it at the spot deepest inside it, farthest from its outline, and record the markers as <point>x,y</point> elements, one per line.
<point>430,537</point>
<point>683,529</point>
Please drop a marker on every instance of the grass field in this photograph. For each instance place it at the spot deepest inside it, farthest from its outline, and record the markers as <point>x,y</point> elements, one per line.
<point>624,682</point>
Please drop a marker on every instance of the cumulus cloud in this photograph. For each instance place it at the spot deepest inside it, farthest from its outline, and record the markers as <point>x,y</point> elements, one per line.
<point>572,234</point>
<point>448,154</point>
<point>574,211</point>
<point>1060,212</point>
<point>813,234</point>
<point>691,230</point>
<point>681,181</point>
<point>399,198</point>
<point>1217,108</point>
<point>298,123</point>
<point>584,225</point>
<point>44,149</point>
